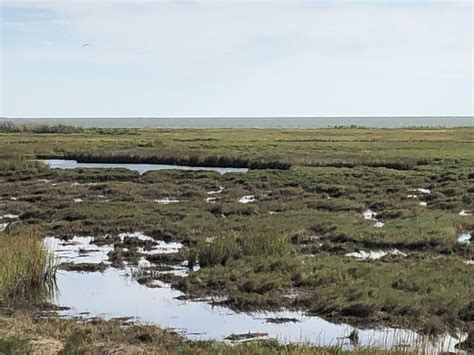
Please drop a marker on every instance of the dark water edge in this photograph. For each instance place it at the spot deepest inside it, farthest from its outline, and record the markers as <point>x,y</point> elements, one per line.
<point>253,122</point>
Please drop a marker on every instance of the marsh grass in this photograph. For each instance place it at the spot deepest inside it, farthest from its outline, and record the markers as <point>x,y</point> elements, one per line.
<point>214,251</point>
<point>13,345</point>
<point>263,347</point>
<point>27,269</point>
<point>10,127</point>
<point>266,245</point>
<point>15,164</point>
<point>220,250</point>
<point>335,175</point>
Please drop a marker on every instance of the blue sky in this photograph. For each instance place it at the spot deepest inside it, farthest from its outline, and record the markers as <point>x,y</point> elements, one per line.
<point>236,58</point>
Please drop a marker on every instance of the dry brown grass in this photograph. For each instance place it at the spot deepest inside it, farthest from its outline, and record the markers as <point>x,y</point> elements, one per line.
<point>105,337</point>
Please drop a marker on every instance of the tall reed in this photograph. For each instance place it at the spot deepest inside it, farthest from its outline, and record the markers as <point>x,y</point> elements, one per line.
<point>27,268</point>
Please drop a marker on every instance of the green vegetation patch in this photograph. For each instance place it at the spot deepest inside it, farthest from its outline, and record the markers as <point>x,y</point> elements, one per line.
<point>287,248</point>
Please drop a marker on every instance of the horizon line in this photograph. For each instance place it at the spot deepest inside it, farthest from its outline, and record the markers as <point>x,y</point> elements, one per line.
<point>228,117</point>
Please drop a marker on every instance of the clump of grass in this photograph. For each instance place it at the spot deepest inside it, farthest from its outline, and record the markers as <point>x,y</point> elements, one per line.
<point>214,251</point>
<point>15,167</point>
<point>219,250</point>
<point>13,345</point>
<point>266,245</point>
<point>74,344</point>
<point>26,268</point>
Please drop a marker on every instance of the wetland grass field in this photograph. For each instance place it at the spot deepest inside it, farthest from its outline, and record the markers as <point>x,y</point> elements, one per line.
<point>366,227</point>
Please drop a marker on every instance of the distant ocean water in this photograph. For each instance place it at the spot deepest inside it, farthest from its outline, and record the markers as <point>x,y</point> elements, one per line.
<point>252,122</point>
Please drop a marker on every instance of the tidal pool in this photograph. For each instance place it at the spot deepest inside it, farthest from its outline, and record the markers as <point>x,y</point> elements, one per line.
<point>140,168</point>
<point>115,293</point>
<point>78,250</point>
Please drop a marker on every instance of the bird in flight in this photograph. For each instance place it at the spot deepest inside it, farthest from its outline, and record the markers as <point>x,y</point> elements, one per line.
<point>85,45</point>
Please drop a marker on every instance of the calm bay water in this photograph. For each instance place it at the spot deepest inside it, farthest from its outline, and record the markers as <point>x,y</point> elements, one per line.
<point>252,122</point>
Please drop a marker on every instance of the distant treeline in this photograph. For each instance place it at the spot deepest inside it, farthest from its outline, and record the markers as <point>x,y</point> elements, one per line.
<point>10,127</point>
<point>213,161</point>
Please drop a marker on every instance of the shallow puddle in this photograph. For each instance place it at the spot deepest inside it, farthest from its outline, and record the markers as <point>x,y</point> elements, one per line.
<point>10,216</point>
<point>371,216</point>
<point>247,199</point>
<point>211,200</point>
<point>160,246</point>
<point>375,254</point>
<point>140,168</point>
<point>214,192</point>
<point>166,201</point>
<point>421,190</point>
<point>464,238</point>
<point>114,293</point>
<point>78,250</point>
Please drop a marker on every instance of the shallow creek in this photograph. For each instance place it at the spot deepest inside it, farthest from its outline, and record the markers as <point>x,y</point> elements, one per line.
<point>115,293</point>
<point>140,168</point>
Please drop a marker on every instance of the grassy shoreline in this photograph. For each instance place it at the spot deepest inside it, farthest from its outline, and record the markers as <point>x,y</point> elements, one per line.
<point>22,334</point>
